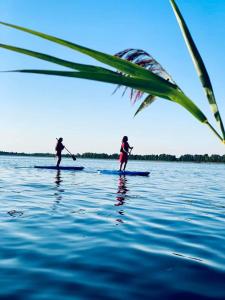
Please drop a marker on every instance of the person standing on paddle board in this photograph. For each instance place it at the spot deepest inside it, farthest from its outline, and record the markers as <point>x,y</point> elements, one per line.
<point>124,153</point>
<point>59,148</point>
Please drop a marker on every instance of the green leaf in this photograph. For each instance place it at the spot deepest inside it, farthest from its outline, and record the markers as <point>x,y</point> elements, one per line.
<point>135,77</point>
<point>180,98</point>
<point>199,65</point>
<point>143,79</point>
<point>148,100</point>
<point>115,78</point>
<point>113,61</point>
<point>137,83</point>
<point>58,61</point>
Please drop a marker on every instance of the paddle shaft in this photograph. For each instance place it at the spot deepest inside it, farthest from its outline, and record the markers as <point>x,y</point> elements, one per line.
<point>68,150</point>
<point>130,151</point>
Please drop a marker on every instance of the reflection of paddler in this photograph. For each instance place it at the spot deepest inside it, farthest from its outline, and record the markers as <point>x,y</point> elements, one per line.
<point>58,190</point>
<point>59,148</point>
<point>124,153</point>
<point>122,190</point>
<point>58,179</point>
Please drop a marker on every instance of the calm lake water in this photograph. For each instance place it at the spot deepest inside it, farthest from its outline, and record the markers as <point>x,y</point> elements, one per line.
<point>84,235</point>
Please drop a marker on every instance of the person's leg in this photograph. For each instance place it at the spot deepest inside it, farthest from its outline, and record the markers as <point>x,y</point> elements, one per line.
<point>59,160</point>
<point>121,160</point>
<point>125,164</point>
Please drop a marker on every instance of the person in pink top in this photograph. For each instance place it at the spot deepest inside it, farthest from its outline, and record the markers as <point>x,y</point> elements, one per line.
<point>124,153</point>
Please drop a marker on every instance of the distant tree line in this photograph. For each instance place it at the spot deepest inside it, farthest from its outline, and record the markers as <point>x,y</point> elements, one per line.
<point>27,154</point>
<point>160,157</point>
<point>214,158</point>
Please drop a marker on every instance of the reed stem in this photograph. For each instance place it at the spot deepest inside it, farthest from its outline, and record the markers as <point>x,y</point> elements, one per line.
<point>216,133</point>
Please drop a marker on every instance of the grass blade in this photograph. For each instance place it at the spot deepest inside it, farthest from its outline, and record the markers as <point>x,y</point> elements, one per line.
<point>113,61</point>
<point>115,78</point>
<point>146,86</point>
<point>139,78</point>
<point>141,84</point>
<point>58,61</point>
<point>199,66</point>
<point>148,101</point>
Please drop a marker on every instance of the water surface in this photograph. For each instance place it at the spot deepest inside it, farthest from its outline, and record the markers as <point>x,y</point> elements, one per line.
<point>84,235</point>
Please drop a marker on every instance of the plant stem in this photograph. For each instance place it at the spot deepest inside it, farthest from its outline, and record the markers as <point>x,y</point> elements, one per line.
<point>216,133</point>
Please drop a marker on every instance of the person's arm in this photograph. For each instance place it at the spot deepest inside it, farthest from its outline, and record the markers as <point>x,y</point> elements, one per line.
<point>129,147</point>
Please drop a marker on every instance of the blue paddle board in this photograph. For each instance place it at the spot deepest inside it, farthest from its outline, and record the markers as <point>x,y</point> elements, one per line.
<point>131,173</point>
<point>59,168</point>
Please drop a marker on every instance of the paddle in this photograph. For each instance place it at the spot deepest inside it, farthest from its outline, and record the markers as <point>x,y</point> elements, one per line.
<point>73,156</point>
<point>130,151</point>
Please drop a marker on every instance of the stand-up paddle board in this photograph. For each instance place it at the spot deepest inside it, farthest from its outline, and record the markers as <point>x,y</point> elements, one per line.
<point>60,168</point>
<point>131,173</point>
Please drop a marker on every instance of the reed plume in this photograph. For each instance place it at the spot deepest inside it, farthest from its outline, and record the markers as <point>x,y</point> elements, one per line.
<point>146,61</point>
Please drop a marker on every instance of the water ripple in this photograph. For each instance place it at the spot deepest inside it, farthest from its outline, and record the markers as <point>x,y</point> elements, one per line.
<point>83,235</point>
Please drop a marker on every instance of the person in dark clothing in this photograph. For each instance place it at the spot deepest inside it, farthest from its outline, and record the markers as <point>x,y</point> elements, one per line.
<point>124,153</point>
<point>59,148</point>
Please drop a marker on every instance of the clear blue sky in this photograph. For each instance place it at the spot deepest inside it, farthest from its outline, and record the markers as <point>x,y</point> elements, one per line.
<point>36,108</point>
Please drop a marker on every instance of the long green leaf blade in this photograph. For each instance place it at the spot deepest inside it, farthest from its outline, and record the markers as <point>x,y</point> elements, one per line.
<point>138,78</point>
<point>113,61</point>
<point>145,85</point>
<point>148,101</point>
<point>137,83</point>
<point>58,61</point>
<point>199,65</point>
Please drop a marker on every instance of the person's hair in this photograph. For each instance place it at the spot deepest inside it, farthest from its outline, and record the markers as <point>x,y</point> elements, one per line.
<point>125,139</point>
<point>60,139</point>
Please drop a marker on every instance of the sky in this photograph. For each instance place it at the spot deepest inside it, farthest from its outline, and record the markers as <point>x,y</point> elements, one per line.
<point>35,109</point>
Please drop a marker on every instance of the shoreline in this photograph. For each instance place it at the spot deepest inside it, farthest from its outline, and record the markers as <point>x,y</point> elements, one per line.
<point>196,158</point>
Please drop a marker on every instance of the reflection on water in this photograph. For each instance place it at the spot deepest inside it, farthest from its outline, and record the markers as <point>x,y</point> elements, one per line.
<point>122,190</point>
<point>58,178</point>
<point>59,191</point>
<point>15,213</point>
<point>121,195</point>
